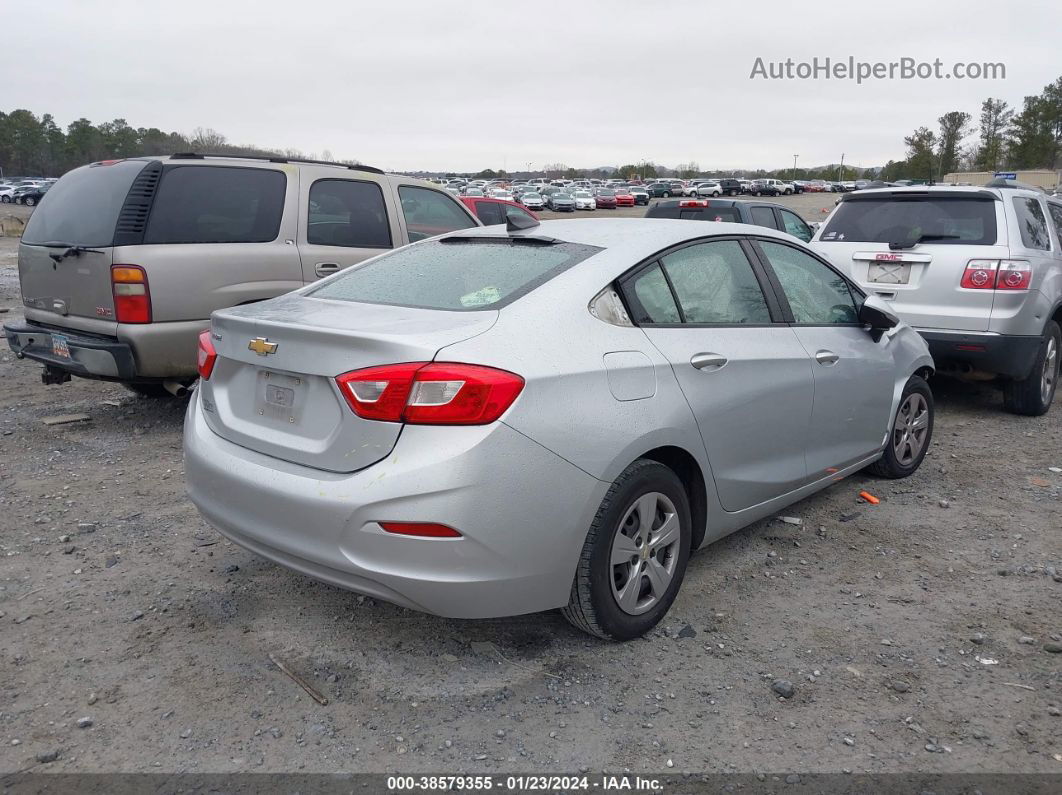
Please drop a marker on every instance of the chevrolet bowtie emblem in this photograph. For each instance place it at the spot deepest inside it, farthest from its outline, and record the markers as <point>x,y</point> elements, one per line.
<point>262,346</point>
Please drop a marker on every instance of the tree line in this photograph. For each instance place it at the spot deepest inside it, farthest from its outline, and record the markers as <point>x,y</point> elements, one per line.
<point>1004,139</point>
<point>38,147</point>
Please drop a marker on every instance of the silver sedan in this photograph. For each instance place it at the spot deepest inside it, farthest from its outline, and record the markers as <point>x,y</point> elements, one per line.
<point>504,420</point>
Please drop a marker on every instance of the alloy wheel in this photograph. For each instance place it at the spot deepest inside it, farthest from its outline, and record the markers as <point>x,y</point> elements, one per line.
<point>909,431</point>
<point>645,551</point>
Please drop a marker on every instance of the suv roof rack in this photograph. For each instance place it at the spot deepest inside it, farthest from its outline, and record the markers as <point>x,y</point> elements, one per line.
<point>1000,182</point>
<point>275,159</point>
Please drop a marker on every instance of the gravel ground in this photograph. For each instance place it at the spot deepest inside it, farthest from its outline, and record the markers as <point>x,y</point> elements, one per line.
<point>915,635</point>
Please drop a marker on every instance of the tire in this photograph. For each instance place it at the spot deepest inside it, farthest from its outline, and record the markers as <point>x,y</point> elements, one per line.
<point>1032,395</point>
<point>666,195</point>
<point>788,192</point>
<point>5,199</point>
<point>899,459</point>
<point>716,195</point>
<point>29,201</point>
<point>594,603</point>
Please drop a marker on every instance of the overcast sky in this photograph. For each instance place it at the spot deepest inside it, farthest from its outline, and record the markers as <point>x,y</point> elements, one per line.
<point>433,84</point>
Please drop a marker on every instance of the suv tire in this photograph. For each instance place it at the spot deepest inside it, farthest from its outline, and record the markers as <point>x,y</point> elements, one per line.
<point>595,604</point>
<point>1033,394</point>
<point>910,434</point>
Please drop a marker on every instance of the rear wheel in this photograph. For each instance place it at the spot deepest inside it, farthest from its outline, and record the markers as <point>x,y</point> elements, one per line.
<point>1032,395</point>
<point>666,195</point>
<point>911,433</point>
<point>29,201</point>
<point>5,199</point>
<point>634,556</point>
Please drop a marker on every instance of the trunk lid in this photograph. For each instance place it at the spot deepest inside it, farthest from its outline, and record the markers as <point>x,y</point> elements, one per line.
<point>273,387</point>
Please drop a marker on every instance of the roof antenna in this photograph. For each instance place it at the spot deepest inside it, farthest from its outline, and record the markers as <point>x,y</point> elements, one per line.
<point>518,223</point>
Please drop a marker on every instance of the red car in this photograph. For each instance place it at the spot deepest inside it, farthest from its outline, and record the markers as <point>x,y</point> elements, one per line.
<point>494,211</point>
<point>606,199</point>
<point>624,198</point>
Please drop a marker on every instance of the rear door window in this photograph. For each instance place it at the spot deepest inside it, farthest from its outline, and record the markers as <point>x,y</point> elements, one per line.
<point>217,204</point>
<point>654,302</point>
<point>1055,211</point>
<point>764,216</point>
<point>1033,223</point>
<point>905,221</point>
<point>714,283</point>
<point>490,213</point>
<point>82,207</point>
<point>429,212</point>
<point>458,274</point>
<point>348,213</point>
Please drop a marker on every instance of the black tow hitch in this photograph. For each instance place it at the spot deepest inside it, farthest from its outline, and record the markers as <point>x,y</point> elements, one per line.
<point>53,375</point>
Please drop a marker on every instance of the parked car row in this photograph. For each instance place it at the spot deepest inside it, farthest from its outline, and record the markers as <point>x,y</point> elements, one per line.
<point>28,192</point>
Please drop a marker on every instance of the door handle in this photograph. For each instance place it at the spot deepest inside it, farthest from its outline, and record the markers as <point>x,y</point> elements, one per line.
<point>323,269</point>
<point>826,358</point>
<point>708,361</point>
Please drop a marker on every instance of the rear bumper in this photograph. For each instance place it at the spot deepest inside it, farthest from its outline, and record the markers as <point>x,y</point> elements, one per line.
<point>1007,355</point>
<point>522,510</point>
<point>90,356</point>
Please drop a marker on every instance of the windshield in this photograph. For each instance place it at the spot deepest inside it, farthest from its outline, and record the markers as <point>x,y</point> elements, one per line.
<point>892,219</point>
<point>582,194</point>
<point>462,274</point>
<point>606,193</point>
<point>82,208</point>
<point>562,196</point>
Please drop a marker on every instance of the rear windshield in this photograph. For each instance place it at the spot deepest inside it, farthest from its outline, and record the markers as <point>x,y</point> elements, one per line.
<point>461,275</point>
<point>728,214</point>
<point>940,221</point>
<point>82,208</point>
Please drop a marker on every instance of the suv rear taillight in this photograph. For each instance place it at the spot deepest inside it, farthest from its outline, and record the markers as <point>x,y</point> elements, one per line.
<point>207,355</point>
<point>993,274</point>
<point>430,393</point>
<point>132,301</point>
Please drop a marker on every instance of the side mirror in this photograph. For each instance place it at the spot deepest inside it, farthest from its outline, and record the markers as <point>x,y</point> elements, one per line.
<point>876,313</point>
<point>814,225</point>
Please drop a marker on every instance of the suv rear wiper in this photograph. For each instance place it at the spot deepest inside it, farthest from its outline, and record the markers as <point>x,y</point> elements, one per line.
<point>895,246</point>
<point>71,250</point>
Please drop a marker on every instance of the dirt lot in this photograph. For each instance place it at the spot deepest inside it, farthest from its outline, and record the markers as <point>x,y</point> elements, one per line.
<point>916,632</point>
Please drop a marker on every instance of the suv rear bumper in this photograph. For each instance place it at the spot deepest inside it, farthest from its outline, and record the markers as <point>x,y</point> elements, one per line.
<point>1003,354</point>
<point>90,357</point>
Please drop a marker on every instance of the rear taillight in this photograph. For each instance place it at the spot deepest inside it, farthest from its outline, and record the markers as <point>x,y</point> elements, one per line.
<point>1013,275</point>
<point>207,355</point>
<point>992,274</point>
<point>132,301</point>
<point>423,393</point>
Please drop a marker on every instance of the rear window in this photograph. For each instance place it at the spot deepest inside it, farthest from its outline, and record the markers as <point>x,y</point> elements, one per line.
<point>82,208</point>
<point>941,221</point>
<point>217,204</point>
<point>1033,223</point>
<point>461,275</point>
<point>727,214</point>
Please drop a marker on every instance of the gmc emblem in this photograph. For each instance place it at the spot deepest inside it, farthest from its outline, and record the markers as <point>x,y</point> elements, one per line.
<point>889,257</point>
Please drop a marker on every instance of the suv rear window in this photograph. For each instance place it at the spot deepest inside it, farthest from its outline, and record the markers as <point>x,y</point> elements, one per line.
<point>728,214</point>
<point>461,275</point>
<point>895,219</point>
<point>82,208</point>
<point>217,204</point>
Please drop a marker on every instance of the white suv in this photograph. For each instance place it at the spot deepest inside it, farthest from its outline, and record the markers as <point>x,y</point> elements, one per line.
<point>977,271</point>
